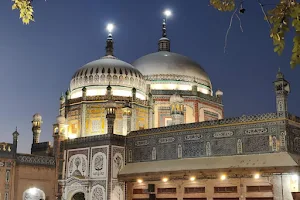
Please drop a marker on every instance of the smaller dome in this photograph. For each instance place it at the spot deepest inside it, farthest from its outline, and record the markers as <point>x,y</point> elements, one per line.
<point>37,117</point>
<point>176,98</point>
<point>60,119</point>
<point>107,70</point>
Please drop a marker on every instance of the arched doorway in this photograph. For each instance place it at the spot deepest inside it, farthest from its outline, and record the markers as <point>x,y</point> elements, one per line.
<point>78,196</point>
<point>34,194</point>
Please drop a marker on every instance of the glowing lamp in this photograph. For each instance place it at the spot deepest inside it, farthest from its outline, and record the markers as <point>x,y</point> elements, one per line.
<point>167,13</point>
<point>32,191</point>
<point>256,176</point>
<point>110,28</point>
<point>139,180</point>
<point>223,177</point>
<point>165,180</point>
<point>193,178</point>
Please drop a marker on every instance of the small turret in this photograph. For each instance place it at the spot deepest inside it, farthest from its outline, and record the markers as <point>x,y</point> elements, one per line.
<point>62,99</point>
<point>219,94</point>
<point>68,94</point>
<point>84,93</point>
<point>15,142</point>
<point>110,115</point>
<point>36,127</point>
<point>282,90</point>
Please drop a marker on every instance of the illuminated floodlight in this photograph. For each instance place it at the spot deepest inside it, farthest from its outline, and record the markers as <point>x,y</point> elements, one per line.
<point>139,180</point>
<point>192,178</point>
<point>165,180</point>
<point>32,191</point>
<point>167,13</point>
<point>110,27</point>
<point>223,177</point>
<point>256,176</point>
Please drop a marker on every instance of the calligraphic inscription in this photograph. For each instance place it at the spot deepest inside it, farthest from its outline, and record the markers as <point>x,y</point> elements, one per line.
<point>223,134</point>
<point>141,143</point>
<point>254,131</point>
<point>193,137</point>
<point>166,140</point>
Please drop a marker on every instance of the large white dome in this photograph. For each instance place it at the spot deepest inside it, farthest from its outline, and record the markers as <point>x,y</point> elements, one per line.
<point>165,66</point>
<point>98,74</point>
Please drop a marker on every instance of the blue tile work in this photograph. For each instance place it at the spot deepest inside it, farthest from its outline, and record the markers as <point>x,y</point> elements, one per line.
<point>264,133</point>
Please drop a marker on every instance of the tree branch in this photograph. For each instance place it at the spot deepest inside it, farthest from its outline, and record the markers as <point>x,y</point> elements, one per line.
<point>229,27</point>
<point>264,12</point>
<point>241,27</point>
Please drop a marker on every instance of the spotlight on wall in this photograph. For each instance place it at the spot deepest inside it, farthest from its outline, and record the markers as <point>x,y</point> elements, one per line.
<point>32,191</point>
<point>140,180</point>
<point>295,177</point>
<point>223,177</point>
<point>256,176</point>
<point>192,178</point>
<point>165,179</point>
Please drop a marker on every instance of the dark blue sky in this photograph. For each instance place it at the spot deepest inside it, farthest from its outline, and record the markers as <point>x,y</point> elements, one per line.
<point>37,61</point>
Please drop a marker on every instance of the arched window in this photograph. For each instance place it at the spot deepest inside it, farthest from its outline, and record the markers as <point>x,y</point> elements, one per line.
<point>34,194</point>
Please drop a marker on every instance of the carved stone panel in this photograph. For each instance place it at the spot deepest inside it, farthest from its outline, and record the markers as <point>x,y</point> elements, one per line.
<point>118,160</point>
<point>78,163</point>
<point>98,192</point>
<point>118,191</point>
<point>78,166</point>
<point>99,162</point>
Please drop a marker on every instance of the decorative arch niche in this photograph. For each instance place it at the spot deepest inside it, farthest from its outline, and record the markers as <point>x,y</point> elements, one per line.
<point>34,194</point>
<point>78,196</point>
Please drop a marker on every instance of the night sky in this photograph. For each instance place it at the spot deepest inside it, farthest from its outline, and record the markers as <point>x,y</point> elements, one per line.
<point>38,60</point>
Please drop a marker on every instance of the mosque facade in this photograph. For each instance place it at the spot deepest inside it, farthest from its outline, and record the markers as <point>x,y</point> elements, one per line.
<point>155,129</point>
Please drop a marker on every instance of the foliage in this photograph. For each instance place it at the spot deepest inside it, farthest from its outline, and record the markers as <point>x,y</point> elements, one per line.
<point>25,8</point>
<point>283,17</point>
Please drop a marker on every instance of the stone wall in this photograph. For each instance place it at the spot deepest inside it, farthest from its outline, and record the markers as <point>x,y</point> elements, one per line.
<point>279,188</point>
<point>7,178</point>
<point>34,176</point>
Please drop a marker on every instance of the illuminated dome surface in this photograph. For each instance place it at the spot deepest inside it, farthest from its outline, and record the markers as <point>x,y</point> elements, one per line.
<point>169,66</point>
<point>121,75</point>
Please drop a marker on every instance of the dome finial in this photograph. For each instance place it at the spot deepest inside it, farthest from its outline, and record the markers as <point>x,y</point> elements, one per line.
<point>164,28</point>
<point>164,42</point>
<point>109,41</point>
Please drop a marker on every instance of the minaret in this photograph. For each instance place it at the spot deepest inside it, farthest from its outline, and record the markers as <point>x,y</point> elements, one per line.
<point>282,90</point>
<point>109,41</point>
<point>110,106</point>
<point>36,127</point>
<point>177,109</point>
<point>164,42</point>
<point>58,135</point>
<point>15,142</point>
